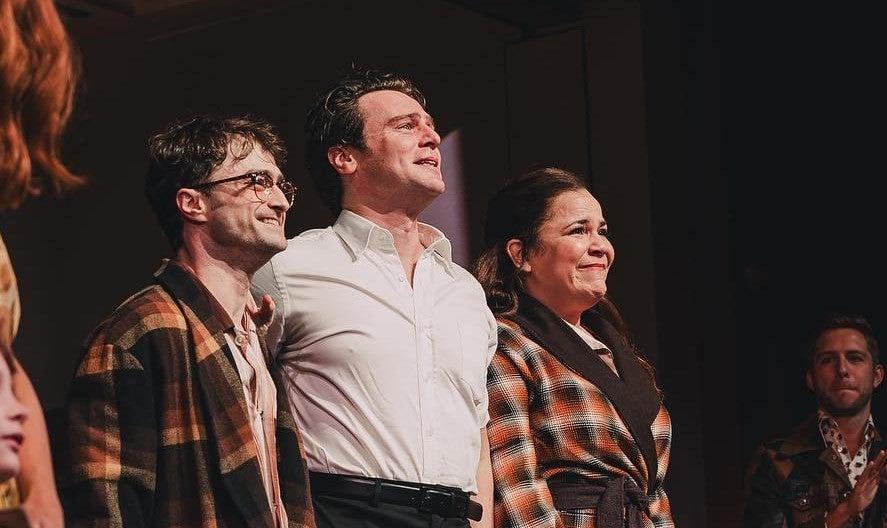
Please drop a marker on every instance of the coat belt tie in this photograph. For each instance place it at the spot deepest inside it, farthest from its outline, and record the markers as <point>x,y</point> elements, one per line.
<point>618,502</point>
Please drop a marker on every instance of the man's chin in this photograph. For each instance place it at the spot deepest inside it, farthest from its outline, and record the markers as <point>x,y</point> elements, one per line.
<point>277,246</point>
<point>834,408</point>
<point>434,185</point>
<point>271,246</point>
<point>435,189</point>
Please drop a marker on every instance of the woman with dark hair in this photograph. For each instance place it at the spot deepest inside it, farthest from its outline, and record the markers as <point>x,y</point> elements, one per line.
<point>37,80</point>
<point>578,433</point>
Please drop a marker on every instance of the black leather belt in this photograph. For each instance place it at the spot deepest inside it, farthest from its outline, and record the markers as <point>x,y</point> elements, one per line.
<point>440,500</point>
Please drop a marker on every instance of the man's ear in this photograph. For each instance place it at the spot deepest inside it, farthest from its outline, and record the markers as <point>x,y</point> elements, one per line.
<point>879,374</point>
<point>809,378</point>
<point>192,205</point>
<point>515,250</point>
<point>342,160</point>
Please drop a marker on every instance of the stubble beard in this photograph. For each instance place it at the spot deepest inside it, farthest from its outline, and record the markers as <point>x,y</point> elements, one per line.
<point>249,252</point>
<point>852,409</point>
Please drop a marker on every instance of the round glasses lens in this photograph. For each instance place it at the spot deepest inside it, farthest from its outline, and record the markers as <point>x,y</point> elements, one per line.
<point>289,190</point>
<point>263,184</point>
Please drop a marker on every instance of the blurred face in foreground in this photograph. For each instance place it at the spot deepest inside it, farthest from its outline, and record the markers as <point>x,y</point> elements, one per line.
<point>12,415</point>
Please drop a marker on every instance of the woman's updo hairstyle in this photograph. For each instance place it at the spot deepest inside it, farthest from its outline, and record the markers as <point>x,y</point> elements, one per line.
<point>517,210</point>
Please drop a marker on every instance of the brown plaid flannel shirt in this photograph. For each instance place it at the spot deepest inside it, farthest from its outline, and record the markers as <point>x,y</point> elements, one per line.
<point>157,430</point>
<point>546,420</point>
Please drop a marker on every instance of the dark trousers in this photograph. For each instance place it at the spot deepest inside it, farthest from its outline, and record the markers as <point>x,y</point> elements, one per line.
<point>336,512</point>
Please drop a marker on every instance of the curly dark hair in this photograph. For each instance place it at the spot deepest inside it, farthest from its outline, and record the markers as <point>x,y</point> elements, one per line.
<point>836,320</point>
<point>187,153</point>
<point>335,120</point>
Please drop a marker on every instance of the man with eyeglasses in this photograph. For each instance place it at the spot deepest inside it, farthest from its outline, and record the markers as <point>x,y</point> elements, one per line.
<point>382,340</point>
<point>172,417</point>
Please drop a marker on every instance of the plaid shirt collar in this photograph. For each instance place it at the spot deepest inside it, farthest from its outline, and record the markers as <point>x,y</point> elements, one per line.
<point>176,274</point>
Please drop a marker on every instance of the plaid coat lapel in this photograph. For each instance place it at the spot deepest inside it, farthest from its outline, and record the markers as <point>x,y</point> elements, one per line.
<point>228,421</point>
<point>633,396</point>
<point>228,415</point>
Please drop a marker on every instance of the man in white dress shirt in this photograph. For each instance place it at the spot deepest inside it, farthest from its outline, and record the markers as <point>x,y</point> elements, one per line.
<point>382,341</point>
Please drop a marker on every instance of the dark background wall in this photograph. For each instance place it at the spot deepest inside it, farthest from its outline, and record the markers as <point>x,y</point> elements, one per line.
<point>803,160</point>
<point>725,141</point>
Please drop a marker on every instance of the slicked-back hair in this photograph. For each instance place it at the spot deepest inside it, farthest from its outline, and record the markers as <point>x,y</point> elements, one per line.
<point>838,320</point>
<point>189,151</point>
<point>335,120</point>
<point>38,74</point>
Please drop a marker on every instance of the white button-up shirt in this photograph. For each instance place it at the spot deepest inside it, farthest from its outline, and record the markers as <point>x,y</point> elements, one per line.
<point>385,379</point>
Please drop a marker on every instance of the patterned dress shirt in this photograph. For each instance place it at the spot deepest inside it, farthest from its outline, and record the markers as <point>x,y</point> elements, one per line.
<point>834,439</point>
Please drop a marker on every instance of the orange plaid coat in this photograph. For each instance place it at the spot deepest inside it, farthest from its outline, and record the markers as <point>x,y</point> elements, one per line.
<point>157,430</point>
<point>548,422</point>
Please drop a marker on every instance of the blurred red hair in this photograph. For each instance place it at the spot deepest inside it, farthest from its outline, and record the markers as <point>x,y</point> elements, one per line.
<point>38,73</point>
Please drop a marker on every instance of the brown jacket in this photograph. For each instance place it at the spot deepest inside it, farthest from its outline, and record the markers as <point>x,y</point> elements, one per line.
<point>795,480</point>
<point>158,431</point>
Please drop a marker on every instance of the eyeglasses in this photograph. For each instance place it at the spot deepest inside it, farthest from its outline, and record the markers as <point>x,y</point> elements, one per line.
<point>263,185</point>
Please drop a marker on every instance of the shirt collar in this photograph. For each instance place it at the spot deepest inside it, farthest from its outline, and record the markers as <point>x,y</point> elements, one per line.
<point>360,234</point>
<point>596,344</point>
<point>825,420</point>
<point>215,306</point>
